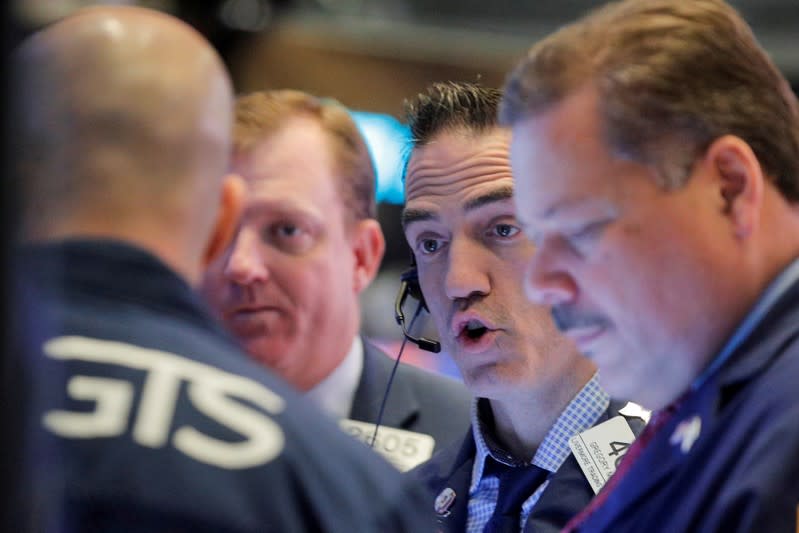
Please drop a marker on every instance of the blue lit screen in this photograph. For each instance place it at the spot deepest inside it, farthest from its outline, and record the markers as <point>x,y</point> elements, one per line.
<point>388,140</point>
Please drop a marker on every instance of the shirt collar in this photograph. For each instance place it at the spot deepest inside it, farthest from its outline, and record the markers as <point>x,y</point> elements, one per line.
<point>773,292</point>
<point>336,392</point>
<point>581,413</point>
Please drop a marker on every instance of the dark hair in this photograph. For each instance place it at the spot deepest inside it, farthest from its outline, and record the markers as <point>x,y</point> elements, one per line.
<point>451,106</point>
<point>672,76</point>
<point>261,114</point>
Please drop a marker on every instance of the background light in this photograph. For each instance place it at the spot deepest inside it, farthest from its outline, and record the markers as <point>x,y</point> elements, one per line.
<point>388,141</point>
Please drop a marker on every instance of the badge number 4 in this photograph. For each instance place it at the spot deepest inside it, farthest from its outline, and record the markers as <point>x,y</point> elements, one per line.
<point>618,450</point>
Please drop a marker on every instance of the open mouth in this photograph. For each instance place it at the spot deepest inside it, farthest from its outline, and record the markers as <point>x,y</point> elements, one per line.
<point>473,330</point>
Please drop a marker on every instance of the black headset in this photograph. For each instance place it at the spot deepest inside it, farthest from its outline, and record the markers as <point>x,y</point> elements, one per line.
<point>409,285</point>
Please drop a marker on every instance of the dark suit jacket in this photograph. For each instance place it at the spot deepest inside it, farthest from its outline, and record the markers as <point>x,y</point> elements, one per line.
<point>742,473</point>
<point>124,321</point>
<point>566,494</point>
<point>419,400</point>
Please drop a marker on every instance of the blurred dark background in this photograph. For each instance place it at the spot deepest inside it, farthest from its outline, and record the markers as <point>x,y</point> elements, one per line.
<point>371,54</point>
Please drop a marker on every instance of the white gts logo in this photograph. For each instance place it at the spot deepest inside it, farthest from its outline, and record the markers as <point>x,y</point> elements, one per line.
<point>210,390</point>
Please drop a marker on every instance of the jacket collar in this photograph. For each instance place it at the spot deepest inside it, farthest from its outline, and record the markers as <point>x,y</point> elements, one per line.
<point>114,269</point>
<point>452,469</point>
<point>762,346</point>
<point>402,406</point>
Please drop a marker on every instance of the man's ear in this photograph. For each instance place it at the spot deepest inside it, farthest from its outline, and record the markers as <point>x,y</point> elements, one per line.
<point>368,245</point>
<point>741,182</point>
<point>231,202</point>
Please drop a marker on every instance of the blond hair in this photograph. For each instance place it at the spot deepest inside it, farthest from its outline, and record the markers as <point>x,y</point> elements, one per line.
<point>260,115</point>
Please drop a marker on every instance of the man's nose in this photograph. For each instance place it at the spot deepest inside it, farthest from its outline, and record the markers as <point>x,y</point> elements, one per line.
<point>466,275</point>
<point>546,282</point>
<point>246,263</point>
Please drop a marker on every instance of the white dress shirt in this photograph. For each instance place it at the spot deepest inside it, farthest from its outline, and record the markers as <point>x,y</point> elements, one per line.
<point>336,392</point>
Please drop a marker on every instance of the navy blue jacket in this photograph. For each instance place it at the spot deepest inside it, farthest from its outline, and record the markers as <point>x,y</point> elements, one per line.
<point>567,493</point>
<point>158,423</point>
<point>419,400</point>
<point>742,472</point>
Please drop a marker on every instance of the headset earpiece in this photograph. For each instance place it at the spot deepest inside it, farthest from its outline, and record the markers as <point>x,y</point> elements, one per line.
<point>409,285</point>
<point>411,277</point>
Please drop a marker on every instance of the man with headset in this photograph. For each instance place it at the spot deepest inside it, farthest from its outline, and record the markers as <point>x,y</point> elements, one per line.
<point>289,284</point>
<point>534,391</point>
<point>144,415</point>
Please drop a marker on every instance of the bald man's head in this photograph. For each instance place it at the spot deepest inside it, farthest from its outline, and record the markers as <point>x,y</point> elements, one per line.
<point>123,112</point>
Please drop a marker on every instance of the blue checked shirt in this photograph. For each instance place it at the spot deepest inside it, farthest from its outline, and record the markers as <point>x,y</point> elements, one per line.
<point>581,413</point>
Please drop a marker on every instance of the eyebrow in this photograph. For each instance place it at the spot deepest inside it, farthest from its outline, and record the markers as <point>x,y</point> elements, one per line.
<point>563,205</point>
<point>497,195</point>
<point>409,216</point>
<point>269,207</point>
<point>501,194</point>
